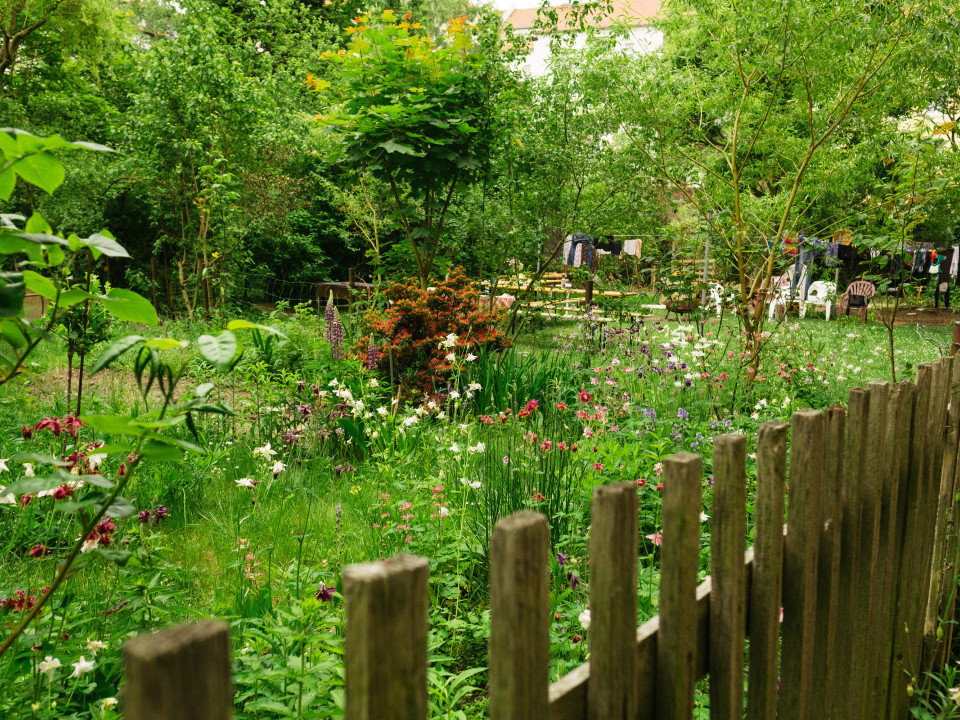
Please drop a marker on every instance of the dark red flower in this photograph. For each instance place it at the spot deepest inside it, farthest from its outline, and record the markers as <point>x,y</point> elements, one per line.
<point>39,551</point>
<point>324,593</point>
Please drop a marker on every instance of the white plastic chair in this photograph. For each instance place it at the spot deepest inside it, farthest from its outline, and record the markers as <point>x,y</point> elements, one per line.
<point>821,293</point>
<point>780,295</point>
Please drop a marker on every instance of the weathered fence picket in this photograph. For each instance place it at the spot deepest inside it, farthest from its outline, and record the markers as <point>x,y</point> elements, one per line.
<point>864,572</point>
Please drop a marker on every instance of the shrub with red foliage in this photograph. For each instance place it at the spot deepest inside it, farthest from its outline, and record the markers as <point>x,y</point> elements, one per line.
<point>417,322</point>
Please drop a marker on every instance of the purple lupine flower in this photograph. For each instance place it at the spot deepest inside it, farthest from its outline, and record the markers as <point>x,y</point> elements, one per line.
<point>562,559</point>
<point>161,513</point>
<point>324,593</point>
<point>573,579</point>
<point>371,356</point>
<point>682,414</point>
<point>329,316</point>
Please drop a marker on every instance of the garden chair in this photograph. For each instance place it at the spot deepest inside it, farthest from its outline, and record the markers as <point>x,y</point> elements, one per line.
<point>858,294</point>
<point>821,293</point>
<point>779,296</point>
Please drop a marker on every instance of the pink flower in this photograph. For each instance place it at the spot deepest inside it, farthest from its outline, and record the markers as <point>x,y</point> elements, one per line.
<point>561,406</point>
<point>506,459</point>
<point>598,466</point>
<point>658,468</point>
<point>656,538</point>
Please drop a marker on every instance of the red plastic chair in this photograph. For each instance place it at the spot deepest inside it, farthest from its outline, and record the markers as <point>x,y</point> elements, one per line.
<point>864,289</point>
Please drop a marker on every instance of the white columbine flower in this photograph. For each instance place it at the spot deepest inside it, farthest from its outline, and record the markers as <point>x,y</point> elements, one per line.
<point>278,467</point>
<point>454,448</point>
<point>49,666</point>
<point>246,482</point>
<point>479,447</point>
<point>108,703</point>
<point>374,382</point>
<point>266,452</point>
<point>3,465</point>
<point>28,470</point>
<point>471,357</point>
<point>88,545</point>
<point>7,499</point>
<point>382,410</point>
<point>451,357</point>
<point>704,517</point>
<point>95,460</point>
<point>94,646</point>
<point>473,385</point>
<point>82,667</point>
<point>454,394</point>
<point>585,618</point>
<point>451,341</point>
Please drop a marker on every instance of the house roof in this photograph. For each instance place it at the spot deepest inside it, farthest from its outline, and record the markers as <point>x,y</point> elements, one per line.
<point>637,12</point>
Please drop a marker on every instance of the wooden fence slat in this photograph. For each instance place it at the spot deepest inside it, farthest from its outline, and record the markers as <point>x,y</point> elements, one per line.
<point>945,499</point>
<point>728,595</point>
<point>896,457</point>
<point>800,565</point>
<point>947,602</point>
<point>182,673</point>
<point>845,703</point>
<point>866,648</point>
<point>612,693</point>
<point>385,644</point>
<point>827,674</point>
<point>519,661</point>
<point>930,495</point>
<point>767,581</point>
<point>908,576</point>
<point>680,558</point>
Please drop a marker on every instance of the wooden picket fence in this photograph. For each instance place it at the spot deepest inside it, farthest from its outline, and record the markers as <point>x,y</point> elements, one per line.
<point>862,572</point>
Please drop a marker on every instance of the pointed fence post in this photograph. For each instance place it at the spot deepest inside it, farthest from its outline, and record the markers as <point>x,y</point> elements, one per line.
<point>612,693</point>
<point>765,588</point>
<point>728,593</point>
<point>680,558</point>
<point>519,618</point>
<point>179,674</point>
<point>385,648</point>
<point>800,566</point>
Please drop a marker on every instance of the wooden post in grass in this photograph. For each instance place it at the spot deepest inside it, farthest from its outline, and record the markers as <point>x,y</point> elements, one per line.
<point>680,557</point>
<point>955,345</point>
<point>182,673</point>
<point>519,618</point>
<point>765,589</point>
<point>612,693</point>
<point>385,645</point>
<point>588,294</point>
<point>728,590</point>
<point>800,566</point>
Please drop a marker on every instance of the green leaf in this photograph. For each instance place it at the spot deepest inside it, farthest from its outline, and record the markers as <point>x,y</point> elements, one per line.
<point>39,284</point>
<point>31,486</point>
<point>12,333</point>
<point>104,245</point>
<point>39,458</point>
<point>42,169</point>
<point>121,507</point>
<point>115,350</point>
<point>203,389</point>
<point>12,292</point>
<point>120,557</point>
<point>8,181</point>
<point>113,424</point>
<point>164,343</point>
<point>392,146</point>
<point>247,325</point>
<point>222,351</point>
<point>161,452</point>
<point>129,306</point>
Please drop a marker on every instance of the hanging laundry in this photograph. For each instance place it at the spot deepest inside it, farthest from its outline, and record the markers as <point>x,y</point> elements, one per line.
<point>632,247</point>
<point>577,242</point>
<point>609,246</point>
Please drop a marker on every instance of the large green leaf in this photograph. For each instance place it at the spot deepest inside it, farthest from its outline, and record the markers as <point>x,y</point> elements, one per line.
<point>13,333</point>
<point>247,325</point>
<point>42,169</point>
<point>392,146</point>
<point>39,284</point>
<point>104,245</point>
<point>8,181</point>
<point>161,452</point>
<point>129,306</point>
<point>12,292</point>
<point>115,350</point>
<point>222,351</point>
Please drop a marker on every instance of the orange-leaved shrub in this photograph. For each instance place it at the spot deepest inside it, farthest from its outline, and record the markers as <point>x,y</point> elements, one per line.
<point>416,328</point>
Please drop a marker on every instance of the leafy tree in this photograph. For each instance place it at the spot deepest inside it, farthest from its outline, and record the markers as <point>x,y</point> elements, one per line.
<point>746,99</point>
<point>413,112</point>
